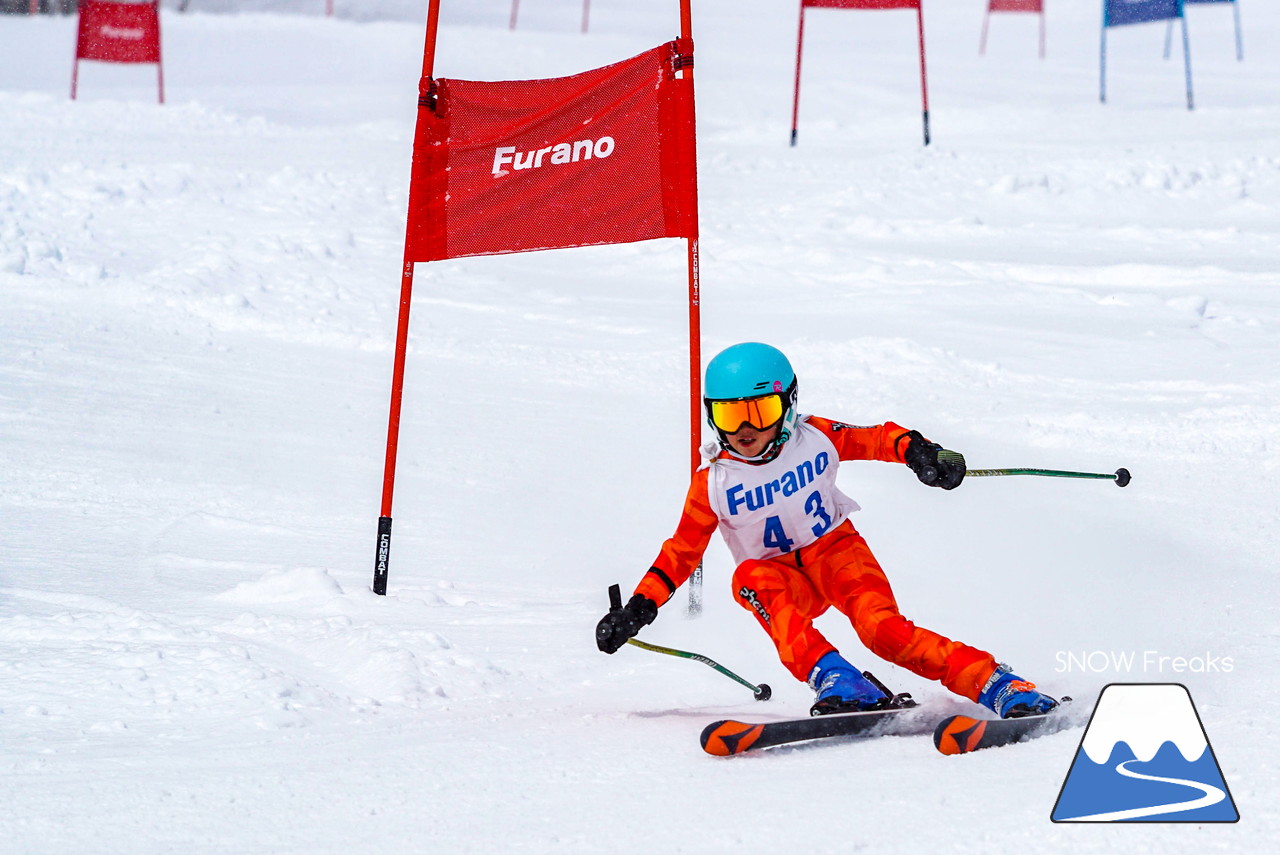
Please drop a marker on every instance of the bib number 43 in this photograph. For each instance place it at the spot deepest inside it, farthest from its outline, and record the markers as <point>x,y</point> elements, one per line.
<point>775,534</point>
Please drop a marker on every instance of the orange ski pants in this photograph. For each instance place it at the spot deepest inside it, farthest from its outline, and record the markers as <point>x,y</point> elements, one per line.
<point>787,593</point>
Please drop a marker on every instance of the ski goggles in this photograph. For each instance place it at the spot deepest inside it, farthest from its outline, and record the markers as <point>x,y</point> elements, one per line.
<point>760,413</point>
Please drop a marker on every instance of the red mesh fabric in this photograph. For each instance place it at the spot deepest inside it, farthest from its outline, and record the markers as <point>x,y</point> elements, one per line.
<point>606,156</point>
<point>1016,6</point>
<point>862,4</point>
<point>118,32</point>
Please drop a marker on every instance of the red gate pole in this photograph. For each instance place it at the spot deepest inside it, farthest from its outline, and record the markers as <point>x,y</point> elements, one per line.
<point>695,358</point>
<point>383,553</point>
<point>515,12</point>
<point>986,22</point>
<point>695,334</point>
<point>159,56</point>
<point>924,79</point>
<point>795,102</point>
<point>586,14</point>
<point>695,296</point>
<point>1042,30</point>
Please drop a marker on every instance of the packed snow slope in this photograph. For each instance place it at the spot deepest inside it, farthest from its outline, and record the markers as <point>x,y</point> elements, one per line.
<point>197,317</point>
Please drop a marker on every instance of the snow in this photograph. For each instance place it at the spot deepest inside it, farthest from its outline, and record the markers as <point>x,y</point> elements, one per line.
<point>197,318</point>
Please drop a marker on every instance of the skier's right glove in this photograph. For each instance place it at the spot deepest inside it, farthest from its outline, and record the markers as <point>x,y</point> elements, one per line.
<point>933,464</point>
<point>623,622</point>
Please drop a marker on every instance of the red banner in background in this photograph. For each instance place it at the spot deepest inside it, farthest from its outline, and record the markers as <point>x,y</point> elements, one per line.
<point>118,32</point>
<point>602,157</point>
<point>861,4</point>
<point>865,5</point>
<point>1035,7</point>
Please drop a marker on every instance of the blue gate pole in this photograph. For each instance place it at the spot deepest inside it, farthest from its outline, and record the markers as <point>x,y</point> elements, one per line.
<point>1186,58</point>
<point>1235,7</point>
<point>1102,85</point>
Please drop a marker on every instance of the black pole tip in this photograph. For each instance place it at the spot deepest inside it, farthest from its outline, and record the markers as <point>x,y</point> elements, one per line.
<point>763,692</point>
<point>1122,477</point>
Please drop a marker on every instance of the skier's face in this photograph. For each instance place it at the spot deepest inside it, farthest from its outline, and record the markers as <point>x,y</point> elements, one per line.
<point>750,441</point>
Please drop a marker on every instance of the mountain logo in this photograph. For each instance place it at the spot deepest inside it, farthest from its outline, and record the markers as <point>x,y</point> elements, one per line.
<point>1145,757</point>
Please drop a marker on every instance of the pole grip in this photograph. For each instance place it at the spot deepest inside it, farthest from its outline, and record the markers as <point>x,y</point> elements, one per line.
<point>604,630</point>
<point>382,556</point>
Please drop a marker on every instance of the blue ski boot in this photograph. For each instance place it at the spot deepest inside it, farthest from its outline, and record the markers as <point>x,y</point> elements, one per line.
<point>841,688</point>
<point>1009,696</point>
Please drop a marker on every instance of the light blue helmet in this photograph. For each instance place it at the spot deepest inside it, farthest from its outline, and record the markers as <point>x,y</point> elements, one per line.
<point>751,370</point>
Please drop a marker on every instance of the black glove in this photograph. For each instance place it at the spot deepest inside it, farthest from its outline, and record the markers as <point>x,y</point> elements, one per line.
<point>933,464</point>
<point>623,622</point>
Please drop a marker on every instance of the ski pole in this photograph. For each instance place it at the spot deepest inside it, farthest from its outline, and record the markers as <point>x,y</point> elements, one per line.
<point>762,691</point>
<point>1121,476</point>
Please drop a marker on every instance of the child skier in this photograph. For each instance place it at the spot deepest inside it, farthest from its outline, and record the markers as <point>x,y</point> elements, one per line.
<point>771,490</point>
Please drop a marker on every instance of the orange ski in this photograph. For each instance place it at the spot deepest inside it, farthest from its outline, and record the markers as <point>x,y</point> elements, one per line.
<point>729,737</point>
<point>962,734</point>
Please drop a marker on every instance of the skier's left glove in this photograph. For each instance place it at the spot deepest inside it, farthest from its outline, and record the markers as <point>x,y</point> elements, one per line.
<point>624,622</point>
<point>933,464</point>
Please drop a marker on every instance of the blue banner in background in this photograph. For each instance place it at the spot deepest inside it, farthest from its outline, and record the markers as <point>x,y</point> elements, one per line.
<point>1119,12</point>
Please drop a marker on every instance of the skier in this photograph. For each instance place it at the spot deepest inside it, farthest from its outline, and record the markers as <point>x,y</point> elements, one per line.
<point>770,487</point>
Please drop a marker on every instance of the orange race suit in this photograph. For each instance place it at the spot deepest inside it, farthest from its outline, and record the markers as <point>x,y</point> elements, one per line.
<point>797,553</point>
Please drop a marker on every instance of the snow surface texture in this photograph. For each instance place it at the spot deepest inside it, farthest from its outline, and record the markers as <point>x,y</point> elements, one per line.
<point>197,317</point>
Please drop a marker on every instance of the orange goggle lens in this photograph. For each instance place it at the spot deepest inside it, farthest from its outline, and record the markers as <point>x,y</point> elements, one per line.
<point>760,413</point>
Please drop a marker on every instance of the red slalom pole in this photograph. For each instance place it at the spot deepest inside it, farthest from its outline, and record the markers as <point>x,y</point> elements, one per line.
<point>924,78</point>
<point>695,331</point>
<point>695,296</point>
<point>1042,31</point>
<point>795,102</point>
<point>159,57</point>
<point>383,553</point>
<point>429,49</point>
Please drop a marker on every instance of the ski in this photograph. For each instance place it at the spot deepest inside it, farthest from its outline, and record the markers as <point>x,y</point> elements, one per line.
<point>962,734</point>
<point>729,737</point>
